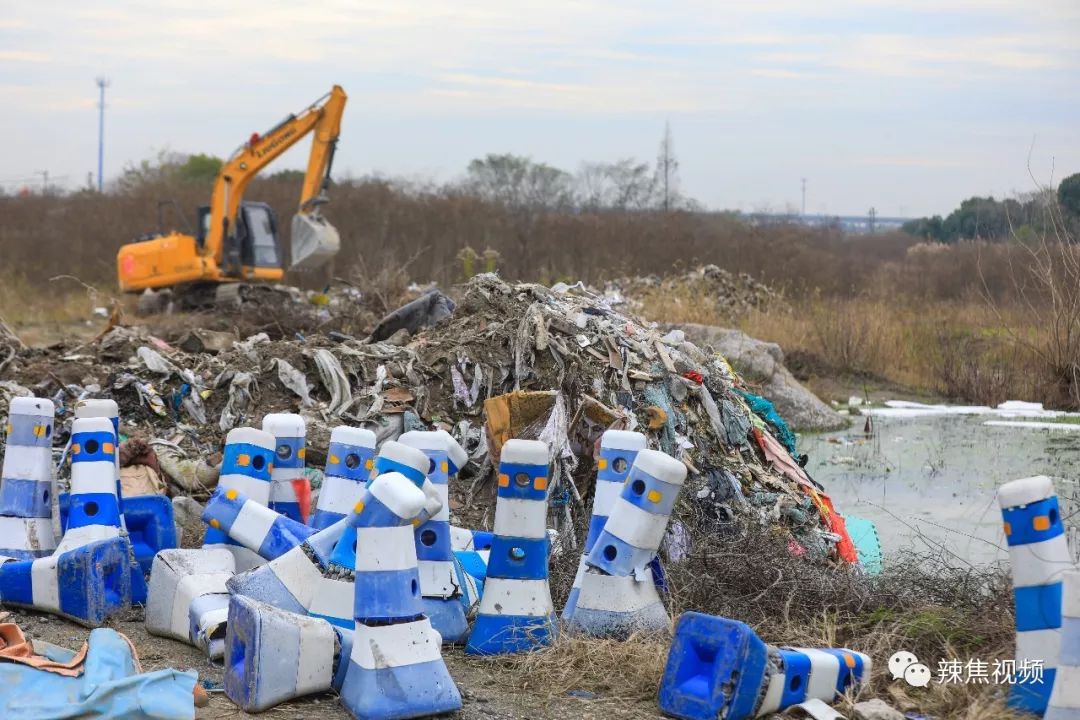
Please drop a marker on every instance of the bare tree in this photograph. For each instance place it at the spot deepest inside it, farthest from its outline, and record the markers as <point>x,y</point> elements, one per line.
<point>530,190</point>
<point>625,184</point>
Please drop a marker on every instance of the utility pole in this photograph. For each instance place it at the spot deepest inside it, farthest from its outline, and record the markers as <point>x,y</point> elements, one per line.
<point>44,181</point>
<point>804,197</point>
<point>102,83</point>
<point>873,220</point>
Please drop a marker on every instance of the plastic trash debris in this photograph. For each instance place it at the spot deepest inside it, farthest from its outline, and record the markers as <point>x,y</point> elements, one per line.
<point>111,684</point>
<point>294,380</point>
<point>335,380</point>
<point>428,309</point>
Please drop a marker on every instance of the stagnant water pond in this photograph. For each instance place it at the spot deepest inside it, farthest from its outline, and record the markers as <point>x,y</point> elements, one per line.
<point>927,476</point>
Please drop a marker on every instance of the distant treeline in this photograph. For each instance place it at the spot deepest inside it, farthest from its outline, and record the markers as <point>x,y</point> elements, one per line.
<point>1031,216</point>
<point>531,221</point>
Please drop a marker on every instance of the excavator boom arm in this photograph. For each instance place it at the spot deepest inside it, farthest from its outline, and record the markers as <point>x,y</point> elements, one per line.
<point>323,117</point>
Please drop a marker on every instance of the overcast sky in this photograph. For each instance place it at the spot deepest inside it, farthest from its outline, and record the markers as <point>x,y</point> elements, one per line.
<point>905,106</point>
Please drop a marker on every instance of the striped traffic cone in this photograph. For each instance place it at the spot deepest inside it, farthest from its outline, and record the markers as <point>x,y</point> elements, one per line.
<point>396,669</point>
<point>290,490</point>
<point>254,526</point>
<point>1039,556</point>
<point>146,521</point>
<point>618,449</point>
<point>516,613</point>
<point>26,482</point>
<point>718,667</point>
<point>246,468</point>
<point>618,594</point>
<point>440,583</point>
<point>349,460</point>
<point>88,577</point>
<point>304,580</point>
<point>396,457</point>
<point>1065,698</point>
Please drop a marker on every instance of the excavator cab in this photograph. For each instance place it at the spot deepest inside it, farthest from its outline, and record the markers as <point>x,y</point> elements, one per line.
<point>255,243</point>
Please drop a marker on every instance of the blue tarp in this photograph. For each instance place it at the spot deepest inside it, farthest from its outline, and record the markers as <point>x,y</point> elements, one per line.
<point>110,687</point>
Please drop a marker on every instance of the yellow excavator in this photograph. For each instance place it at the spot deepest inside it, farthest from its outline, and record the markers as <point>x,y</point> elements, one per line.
<point>237,240</point>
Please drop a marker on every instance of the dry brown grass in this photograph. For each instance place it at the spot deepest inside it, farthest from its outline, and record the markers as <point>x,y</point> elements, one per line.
<point>929,605</point>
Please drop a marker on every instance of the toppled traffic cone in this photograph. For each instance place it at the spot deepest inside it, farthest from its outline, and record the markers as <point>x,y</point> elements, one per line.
<point>254,526</point>
<point>720,668</point>
<point>618,595</point>
<point>304,580</point>
<point>274,655</point>
<point>618,449</point>
<point>1039,556</point>
<point>246,467</point>
<point>188,599</point>
<point>396,669</point>
<point>349,460</point>
<point>290,490</point>
<point>516,613</point>
<point>26,483</point>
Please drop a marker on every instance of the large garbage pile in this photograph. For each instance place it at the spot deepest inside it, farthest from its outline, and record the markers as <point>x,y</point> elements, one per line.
<point>561,365</point>
<point>728,295</point>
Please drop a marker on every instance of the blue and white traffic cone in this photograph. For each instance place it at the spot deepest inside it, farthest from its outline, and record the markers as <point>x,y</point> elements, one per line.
<point>304,580</point>
<point>256,527</point>
<point>618,593</point>
<point>188,599</point>
<point>396,669</point>
<point>246,468</point>
<point>349,460</point>
<point>93,504</point>
<point>274,656</point>
<point>26,482</point>
<point>1065,698</point>
<point>88,577</point>
<point>618,449</point>
<point>396,457</point>
<point>147,522</point>
<point>720,668</point>
<point>1039,556</point>
<point>516,613</point>
<point>440,583</point>
<point>288,482</point>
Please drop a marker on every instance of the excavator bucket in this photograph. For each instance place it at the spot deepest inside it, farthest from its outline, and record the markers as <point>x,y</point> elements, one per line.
<point>314,241</point>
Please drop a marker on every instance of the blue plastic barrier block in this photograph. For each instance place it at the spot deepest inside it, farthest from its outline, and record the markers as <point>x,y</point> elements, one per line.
<point>715,669</point>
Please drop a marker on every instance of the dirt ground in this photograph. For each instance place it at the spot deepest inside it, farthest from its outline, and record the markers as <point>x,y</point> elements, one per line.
<point>478,680</point>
